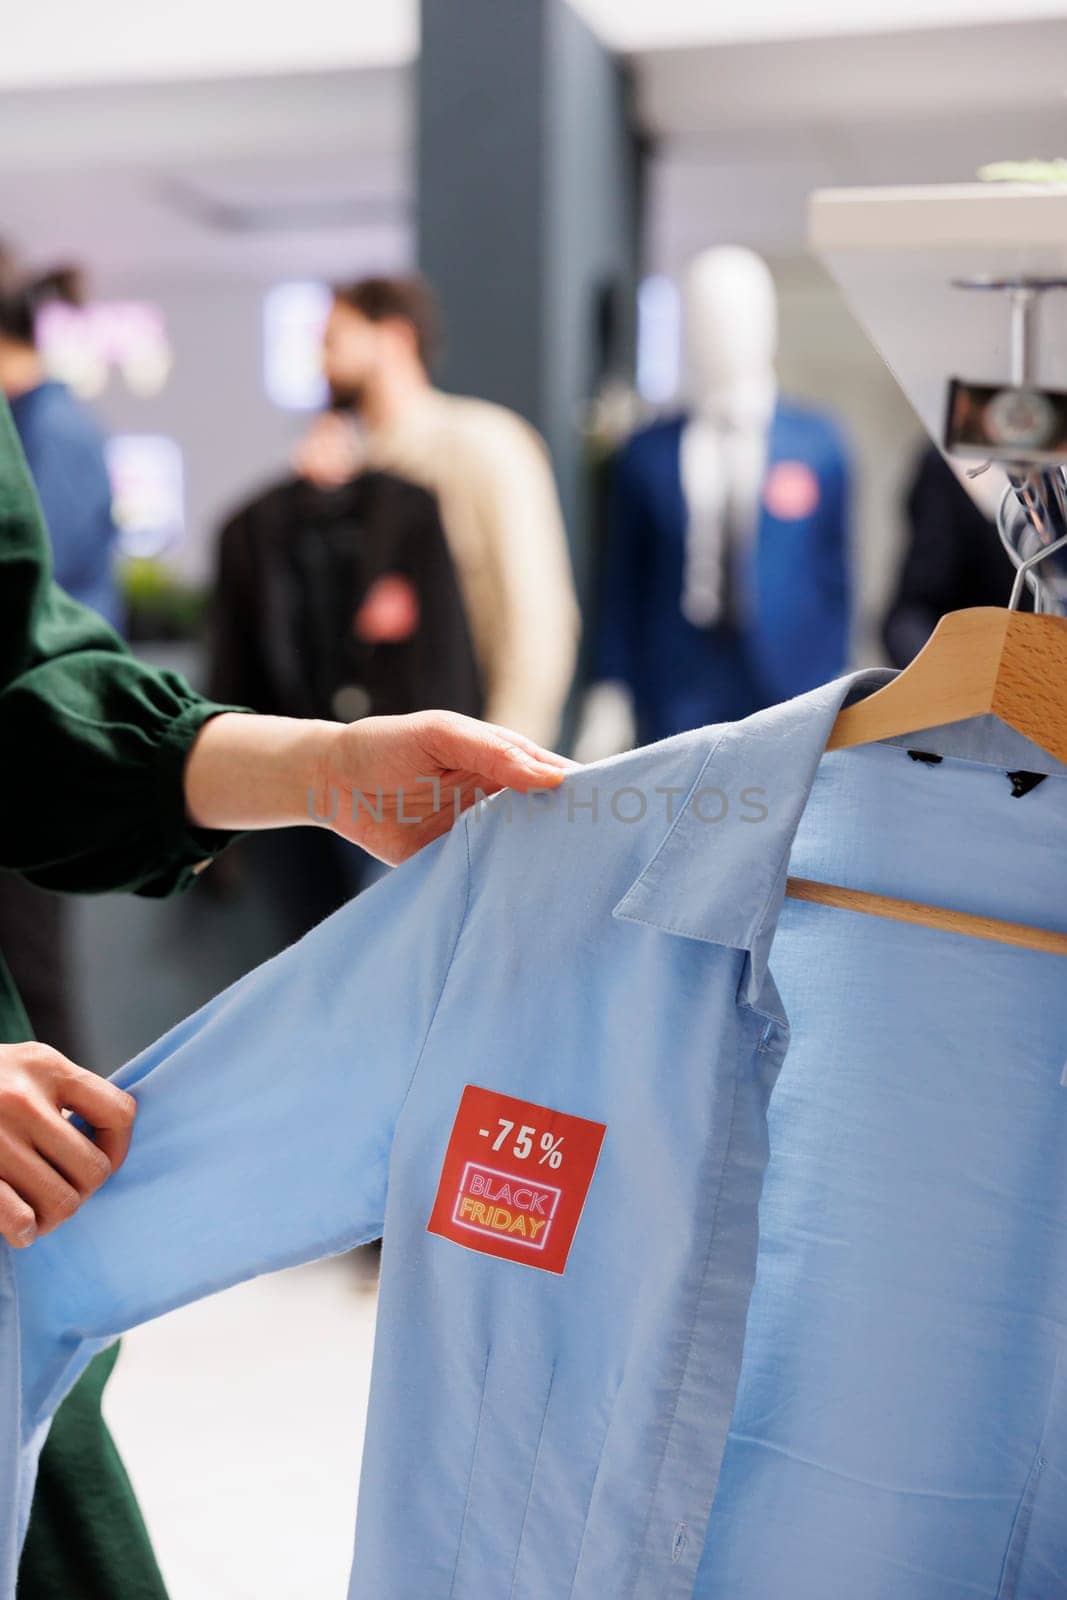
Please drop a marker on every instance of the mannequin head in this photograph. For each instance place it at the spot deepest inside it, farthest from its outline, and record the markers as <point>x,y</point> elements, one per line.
<point>381,337</point>
<point>731,318</point>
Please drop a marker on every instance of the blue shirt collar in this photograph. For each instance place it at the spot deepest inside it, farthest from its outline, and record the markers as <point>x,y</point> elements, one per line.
<point>719,873</point>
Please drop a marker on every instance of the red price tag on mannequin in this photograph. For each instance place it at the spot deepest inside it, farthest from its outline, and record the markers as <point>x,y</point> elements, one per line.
<point>515,1178</point>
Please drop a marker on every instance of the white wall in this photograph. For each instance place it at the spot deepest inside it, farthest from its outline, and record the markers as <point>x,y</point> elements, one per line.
<point>213,406</point>
<point>827,358</point>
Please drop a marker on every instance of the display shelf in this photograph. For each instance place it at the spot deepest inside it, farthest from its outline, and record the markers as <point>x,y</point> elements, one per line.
<point>896,252</point>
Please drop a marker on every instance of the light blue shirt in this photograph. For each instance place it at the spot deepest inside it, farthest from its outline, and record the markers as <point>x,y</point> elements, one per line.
<point>900,1430</point>
<point>547,1434</point>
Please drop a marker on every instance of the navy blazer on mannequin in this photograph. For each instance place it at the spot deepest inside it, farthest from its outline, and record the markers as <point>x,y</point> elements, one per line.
<point>795,635</point>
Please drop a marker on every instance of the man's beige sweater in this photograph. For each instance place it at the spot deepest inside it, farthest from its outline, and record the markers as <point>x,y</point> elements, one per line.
<point>501,514</point>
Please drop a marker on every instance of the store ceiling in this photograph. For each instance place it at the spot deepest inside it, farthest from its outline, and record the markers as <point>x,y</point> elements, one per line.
<point>126,41</point>
<point>744,132</point>
<point>310,172</point>
<point>130,42</point>
<point>847,78</point>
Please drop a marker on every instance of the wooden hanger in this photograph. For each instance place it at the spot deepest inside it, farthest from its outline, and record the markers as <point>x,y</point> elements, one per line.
<point>983,662</point>
<point>986,661</point>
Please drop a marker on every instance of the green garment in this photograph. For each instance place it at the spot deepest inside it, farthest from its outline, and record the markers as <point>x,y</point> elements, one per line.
<point>86,1536</point>
<point>91,799</point>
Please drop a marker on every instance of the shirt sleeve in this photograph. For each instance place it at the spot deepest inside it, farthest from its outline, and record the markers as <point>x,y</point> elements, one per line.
<point>264,1127</point>
<point>94,741</point>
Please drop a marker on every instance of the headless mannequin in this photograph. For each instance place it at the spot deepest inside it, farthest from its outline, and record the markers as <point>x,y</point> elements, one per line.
<point>731,319</point>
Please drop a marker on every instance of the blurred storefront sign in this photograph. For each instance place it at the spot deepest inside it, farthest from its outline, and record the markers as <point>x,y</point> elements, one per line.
<point>294,316</point>
<point>148,492</point>
<point>86,347</point>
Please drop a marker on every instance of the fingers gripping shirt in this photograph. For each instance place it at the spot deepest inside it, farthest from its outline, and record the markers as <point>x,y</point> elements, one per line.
<point>485,1056</point>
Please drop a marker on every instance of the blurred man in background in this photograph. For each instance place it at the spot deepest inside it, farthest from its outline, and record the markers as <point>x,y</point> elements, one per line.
<point>491,475</point>
<point>335,601</point>
<point>62,442</point>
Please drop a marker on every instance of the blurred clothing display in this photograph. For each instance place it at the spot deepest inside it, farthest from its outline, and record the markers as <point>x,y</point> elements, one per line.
<point>724,578</point>
<point>762,612</point>
<point>493,480</point>
<point>65,450</point>
<point>953,559</point>
<point>337,603</point>
<point>340,603</point>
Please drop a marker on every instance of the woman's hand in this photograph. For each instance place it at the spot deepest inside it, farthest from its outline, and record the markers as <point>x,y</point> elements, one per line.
<point>47,1166</point>
<point>390,784</point>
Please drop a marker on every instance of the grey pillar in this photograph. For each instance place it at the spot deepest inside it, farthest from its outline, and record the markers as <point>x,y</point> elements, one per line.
<point>526,202</point>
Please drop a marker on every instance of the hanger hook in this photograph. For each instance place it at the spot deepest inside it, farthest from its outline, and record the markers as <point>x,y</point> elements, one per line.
<point>1008,514</point>
<point>1026,567</point>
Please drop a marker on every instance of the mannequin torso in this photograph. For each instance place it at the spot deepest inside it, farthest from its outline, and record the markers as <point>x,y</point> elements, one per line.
<point>724,584</point>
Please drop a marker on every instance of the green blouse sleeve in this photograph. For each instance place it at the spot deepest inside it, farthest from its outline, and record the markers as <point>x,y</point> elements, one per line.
<point>92,741</point>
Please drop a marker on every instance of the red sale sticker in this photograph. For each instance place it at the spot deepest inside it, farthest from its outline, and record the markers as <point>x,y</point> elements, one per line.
<point>791,491</point>
<point>515,1178</point>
